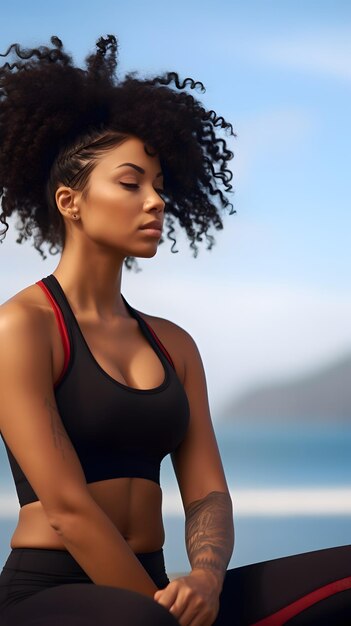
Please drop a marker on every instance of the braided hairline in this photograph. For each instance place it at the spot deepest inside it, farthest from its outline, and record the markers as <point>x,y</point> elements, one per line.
<point>113,137</point>
<point>65,157</point>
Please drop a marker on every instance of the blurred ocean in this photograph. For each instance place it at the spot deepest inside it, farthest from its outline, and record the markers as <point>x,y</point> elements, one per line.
<point>291,491</point>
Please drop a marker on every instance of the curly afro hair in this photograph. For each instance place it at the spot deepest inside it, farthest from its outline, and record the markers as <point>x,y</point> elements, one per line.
<point>56,119</point>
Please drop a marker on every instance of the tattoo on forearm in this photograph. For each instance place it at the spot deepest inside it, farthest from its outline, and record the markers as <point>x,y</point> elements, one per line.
<point>209,532</point>
<point>56,427</point>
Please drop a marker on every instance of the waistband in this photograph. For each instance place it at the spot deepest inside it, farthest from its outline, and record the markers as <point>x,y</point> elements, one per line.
<point>62,561</point>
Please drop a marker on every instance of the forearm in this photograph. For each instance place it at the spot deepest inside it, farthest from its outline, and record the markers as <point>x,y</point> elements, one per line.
<point>100,549</point>
<point>209,533</point>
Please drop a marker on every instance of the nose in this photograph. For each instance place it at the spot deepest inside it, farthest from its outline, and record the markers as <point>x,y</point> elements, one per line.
<point>154,201</point>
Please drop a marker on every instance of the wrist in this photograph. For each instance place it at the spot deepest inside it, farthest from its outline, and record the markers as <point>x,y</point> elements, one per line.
<point>214,577</point>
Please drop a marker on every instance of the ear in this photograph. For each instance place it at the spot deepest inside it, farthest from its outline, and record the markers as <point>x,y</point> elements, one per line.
<point>67,200</point>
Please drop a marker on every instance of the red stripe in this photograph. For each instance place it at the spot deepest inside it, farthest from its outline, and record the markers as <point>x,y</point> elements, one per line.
<point>64,334</point>
<point>289,611</point>
<point>160,344</point>
<point>62,328</point>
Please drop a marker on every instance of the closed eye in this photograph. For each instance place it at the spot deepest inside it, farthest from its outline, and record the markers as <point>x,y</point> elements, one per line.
<point>134,186</point>
<point>130,185</point>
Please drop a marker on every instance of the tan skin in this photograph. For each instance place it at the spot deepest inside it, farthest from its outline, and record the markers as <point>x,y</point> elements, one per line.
<point>133,504</point>
<point>90,275</point>
<point>90,270</point>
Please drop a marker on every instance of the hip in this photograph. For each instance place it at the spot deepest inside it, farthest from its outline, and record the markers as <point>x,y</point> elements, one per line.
<point>28,571</point>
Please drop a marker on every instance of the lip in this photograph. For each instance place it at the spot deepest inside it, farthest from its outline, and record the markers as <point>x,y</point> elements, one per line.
<point>154,232</point>
<point>154,225</point>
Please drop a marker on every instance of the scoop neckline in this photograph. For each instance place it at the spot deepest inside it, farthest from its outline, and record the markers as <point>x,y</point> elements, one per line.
<point>147,336</point>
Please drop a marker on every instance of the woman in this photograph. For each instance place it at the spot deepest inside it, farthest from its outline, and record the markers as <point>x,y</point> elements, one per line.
<point>95,392</point>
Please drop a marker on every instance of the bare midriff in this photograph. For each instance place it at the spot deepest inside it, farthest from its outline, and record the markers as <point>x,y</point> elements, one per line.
<point>132,504</point>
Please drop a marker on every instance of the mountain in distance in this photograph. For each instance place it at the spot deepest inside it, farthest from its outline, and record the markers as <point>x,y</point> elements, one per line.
<point>320,396</point>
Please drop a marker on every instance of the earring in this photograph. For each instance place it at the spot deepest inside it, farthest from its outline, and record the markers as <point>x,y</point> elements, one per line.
<point>75,216</point>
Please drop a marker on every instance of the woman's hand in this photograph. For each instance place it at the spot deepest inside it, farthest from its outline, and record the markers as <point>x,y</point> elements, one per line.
<point>192,599</point>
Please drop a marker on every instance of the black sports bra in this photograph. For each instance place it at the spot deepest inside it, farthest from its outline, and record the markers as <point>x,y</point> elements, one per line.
<point>116,430</point>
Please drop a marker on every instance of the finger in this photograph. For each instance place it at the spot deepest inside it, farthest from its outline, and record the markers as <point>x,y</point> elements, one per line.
<point>178,604</point>
<point>191,612</point>
<point>196,620</point>
<point>205,616</point>
<point>167,596</point>
<point>201,620</point>
<point>159,592</point>
<point>184,607</point>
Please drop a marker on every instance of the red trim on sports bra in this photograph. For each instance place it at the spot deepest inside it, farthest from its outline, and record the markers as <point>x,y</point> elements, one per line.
<point>287,612</point>
<point>64,334</point>
<point>62,328</point>
<point>168,356</point>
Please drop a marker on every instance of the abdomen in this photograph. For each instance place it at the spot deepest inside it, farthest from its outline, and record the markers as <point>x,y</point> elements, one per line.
<point>132,504</point>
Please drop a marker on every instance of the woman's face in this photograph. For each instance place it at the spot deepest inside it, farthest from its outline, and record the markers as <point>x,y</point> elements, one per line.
<point>123,199</point>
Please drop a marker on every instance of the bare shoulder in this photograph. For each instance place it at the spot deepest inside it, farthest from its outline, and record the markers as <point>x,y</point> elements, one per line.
<point>29,306</point>
<point>177,341</point>
<point>25,350</point>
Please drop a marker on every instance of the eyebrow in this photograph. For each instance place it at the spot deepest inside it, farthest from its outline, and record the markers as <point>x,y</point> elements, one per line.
<point>138,169</point>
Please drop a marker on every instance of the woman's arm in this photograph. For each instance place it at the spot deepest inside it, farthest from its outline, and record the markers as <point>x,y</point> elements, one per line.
<point>209,534</point>
<point>100,549</point>
<point>209,527</point>
<point>32,428</point>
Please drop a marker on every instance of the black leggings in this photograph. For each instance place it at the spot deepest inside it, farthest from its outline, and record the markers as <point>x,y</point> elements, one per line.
<point>46,587</point>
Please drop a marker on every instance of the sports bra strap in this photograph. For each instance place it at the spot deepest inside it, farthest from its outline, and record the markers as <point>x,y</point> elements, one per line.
<point>161,345</point>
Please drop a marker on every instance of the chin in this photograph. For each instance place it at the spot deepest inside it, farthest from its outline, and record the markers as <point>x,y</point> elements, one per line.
<point>148,255</point>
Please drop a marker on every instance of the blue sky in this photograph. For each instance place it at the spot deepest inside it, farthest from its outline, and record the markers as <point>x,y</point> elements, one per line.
<point>272,298</point>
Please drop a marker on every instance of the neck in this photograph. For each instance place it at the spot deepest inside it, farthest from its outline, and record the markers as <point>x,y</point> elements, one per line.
<point>93,285</point>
